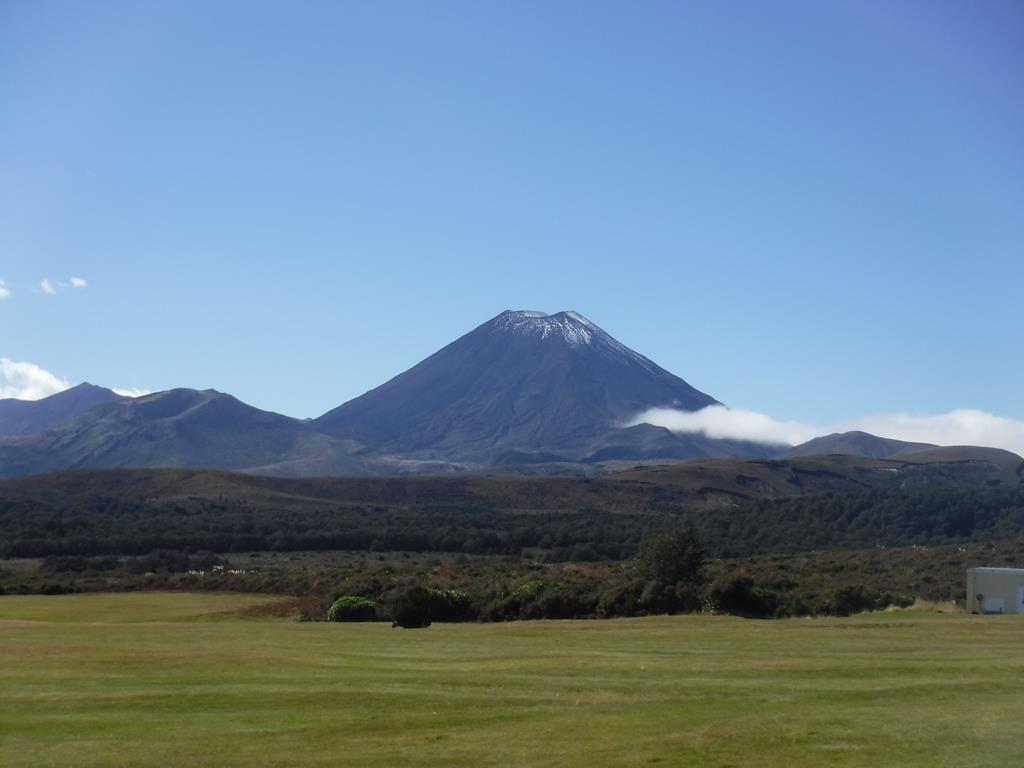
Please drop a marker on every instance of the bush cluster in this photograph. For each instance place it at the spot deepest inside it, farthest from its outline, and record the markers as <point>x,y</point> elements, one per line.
<point>856,599</point>
<point>669,577</point>
<point>540,599</point>
<point>735,596</point>
<point>352,608</point>
<point>740,596</point>
<point>421,606</point>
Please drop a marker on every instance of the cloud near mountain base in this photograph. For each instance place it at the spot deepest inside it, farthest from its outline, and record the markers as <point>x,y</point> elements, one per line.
<point>963,426</point>
<point>721,423</point>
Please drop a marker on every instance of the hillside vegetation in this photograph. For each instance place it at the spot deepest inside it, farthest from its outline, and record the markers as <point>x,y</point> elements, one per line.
<point>740,507</point>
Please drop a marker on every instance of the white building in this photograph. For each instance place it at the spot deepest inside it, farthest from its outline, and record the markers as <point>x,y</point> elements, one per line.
<point>995,590</point>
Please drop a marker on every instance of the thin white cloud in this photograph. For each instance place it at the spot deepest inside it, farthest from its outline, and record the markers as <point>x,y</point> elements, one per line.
<point>964,426</point>
<point>52,287</point>
<point>27,381</point>
<point>131,392</point>
<point>5,292</point>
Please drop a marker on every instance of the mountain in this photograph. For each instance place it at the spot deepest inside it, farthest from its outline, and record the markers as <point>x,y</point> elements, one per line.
<point>30,417</point>
<point>855,444</point>
<point>524,393</point>
<point>524,387</point>
<point>181,428</point>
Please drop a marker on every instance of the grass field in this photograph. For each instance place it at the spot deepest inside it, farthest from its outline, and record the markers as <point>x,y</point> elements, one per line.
<point>183,680</point>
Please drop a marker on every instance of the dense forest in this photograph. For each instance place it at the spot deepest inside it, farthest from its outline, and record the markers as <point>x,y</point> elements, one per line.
<point>109,525</point>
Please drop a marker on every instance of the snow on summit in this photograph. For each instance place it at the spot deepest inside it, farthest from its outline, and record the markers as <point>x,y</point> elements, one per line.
<point>573,327</point>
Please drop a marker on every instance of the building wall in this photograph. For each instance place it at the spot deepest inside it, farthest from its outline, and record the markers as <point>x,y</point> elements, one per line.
<point>1002,591</point>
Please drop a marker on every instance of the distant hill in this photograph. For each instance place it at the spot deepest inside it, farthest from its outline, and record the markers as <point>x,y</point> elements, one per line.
<point>30,417</point>
<point>180,428</point>
<point>854,444</point>
<point>728,482</point>
<point>1010,465</point>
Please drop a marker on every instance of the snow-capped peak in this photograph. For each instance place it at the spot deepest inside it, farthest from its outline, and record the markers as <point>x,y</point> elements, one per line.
<point>572,327</point>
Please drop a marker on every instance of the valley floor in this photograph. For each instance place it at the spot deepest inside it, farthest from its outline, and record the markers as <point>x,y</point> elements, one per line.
<point>178,679</point>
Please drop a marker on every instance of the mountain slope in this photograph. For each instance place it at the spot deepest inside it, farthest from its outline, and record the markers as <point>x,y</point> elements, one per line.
<point>552,386</point>
<point>854,444</point>
<point>30,417</point>
<point>180,428</point>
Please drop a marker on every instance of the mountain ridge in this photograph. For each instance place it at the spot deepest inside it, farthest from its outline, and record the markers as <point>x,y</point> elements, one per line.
<point>524,392</point>
<point>177,428</point>
<point>30,417</point>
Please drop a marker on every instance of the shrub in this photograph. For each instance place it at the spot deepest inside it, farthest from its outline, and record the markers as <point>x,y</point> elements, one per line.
<point>352,608</point>
<point>411,609</point>
<point>741,597</point>
<point>661,597</point>
<point>534,588</point>
<point>450,605</point>
<point>421,606</point>
<point>672,556</point>
<point>856,599</point>
<point>620,600</point>
<point>575,601</point>
<point>516,603</point>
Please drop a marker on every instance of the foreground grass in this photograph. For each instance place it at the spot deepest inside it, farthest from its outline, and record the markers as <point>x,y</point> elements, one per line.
<point>176,680</point>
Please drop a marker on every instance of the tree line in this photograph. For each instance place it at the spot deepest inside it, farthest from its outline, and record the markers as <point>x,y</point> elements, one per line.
<point>116,526</point>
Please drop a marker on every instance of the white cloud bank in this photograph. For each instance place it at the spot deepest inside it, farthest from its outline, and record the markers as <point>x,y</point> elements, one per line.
<point>78,282</point>
<point>964,426</point>
<point>5,292</point>
<point>47,287</point>
<point>27,381</point>
<point>723,423</point>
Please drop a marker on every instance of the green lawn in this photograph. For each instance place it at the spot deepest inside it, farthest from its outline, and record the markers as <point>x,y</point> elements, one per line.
<point>176,680</point>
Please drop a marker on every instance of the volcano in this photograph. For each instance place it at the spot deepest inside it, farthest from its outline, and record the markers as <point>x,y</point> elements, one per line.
<point>526,387</point>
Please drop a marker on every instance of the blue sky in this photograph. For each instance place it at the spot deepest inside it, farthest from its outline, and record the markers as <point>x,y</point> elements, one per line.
<point>811,210</point>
